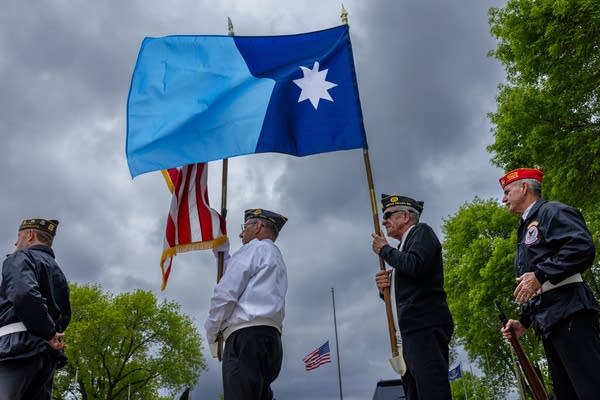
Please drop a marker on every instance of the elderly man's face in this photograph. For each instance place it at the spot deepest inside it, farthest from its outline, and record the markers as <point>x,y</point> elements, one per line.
<point>250,230</point>
<point>23,238</point>
<point>514,197</point>
<point>396,222</point>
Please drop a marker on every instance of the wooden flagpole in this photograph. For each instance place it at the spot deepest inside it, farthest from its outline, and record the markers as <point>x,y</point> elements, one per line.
<point>386,291</point>
<point>221,255</point>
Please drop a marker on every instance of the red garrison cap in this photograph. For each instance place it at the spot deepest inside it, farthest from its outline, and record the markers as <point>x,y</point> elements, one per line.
<point>521,173</point>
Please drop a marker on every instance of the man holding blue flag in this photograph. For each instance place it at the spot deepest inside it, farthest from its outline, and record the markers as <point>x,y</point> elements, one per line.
<point>417,281</point>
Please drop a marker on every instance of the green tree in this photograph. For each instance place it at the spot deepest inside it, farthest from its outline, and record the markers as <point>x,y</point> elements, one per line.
<point>548,111</point>
<point>470,386</point>
<point>479,249</point>
<point>128,344</point>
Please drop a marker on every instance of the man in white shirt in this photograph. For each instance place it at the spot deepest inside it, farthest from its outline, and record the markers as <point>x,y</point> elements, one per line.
<point>248,307</point>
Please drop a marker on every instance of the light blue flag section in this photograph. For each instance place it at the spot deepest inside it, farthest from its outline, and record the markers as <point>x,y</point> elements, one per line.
<point>201,98</point>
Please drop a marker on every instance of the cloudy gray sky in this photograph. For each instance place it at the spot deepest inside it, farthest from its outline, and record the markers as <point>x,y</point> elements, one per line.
<point>426,86</point>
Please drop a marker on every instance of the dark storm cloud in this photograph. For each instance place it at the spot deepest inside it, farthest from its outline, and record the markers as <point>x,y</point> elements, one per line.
<point>425,84</point>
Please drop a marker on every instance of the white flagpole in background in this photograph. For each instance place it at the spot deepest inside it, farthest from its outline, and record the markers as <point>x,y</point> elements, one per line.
<point>337,349</point>
<point>75,385</point>
<point>463,381</point>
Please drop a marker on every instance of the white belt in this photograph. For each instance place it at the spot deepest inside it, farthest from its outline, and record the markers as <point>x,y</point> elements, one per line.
<point>12,328</point>
<point>547,286</point>
<point>256,322</point>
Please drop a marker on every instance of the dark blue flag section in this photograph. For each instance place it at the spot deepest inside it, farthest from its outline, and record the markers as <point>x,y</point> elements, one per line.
<point>454,373</point>
<point>201,98</point>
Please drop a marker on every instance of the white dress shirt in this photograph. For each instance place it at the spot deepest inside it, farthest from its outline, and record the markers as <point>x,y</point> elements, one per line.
<point>393,290</point>
<point>251,291</point>
<point>527,210</point>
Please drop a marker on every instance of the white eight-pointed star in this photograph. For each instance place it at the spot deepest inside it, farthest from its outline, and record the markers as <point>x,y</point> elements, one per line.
<point>314,86</point>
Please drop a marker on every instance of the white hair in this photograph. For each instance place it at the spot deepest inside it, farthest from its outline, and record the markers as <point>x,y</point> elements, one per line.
<point>535,185</point>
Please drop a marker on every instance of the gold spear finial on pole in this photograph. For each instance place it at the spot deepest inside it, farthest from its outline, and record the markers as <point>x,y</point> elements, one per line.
<point>344,15</point>
<point>230,27</point>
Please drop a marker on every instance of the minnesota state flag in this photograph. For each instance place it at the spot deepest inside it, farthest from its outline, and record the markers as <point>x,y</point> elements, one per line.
<point>201,98</point>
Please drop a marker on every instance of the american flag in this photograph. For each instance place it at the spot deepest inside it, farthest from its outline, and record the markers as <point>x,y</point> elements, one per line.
<point>317,357</point>
<point>191,223</point>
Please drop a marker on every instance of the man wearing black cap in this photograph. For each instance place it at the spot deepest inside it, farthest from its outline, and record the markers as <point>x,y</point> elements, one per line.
<point>34,312</point>
<point>424,319</point>
<point>247,308</point>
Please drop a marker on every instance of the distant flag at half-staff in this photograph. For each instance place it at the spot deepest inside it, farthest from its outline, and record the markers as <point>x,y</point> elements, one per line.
<point>191,223</point>
<point>201,98</point>
<point>317,357</point>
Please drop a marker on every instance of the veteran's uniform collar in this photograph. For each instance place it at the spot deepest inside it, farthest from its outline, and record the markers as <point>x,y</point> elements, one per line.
<point>528,210</point>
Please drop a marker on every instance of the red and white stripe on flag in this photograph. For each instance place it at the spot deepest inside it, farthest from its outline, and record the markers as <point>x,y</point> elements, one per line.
<point>317,357</point>
<point>191,224</point>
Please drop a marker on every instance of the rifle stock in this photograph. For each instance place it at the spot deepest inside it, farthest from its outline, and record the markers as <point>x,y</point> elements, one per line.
<point>533,380</point>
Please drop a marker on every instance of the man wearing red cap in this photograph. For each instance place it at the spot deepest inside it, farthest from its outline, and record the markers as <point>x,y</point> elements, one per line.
<point>554,248</point>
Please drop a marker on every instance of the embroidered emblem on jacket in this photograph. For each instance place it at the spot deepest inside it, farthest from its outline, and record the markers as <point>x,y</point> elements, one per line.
<point>532,236</point>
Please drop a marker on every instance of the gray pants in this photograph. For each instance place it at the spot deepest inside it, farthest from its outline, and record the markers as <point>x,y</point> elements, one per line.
<point>27,378</point>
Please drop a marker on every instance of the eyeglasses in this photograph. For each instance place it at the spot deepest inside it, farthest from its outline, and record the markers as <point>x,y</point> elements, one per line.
<point>388,214</point>
<point>246,224</point>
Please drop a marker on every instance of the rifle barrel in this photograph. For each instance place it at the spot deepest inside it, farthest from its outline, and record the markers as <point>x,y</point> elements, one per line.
<point>533,380</point>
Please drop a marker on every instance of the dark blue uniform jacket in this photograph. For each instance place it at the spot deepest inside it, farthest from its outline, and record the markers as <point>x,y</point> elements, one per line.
<point>33,291</point>
<point>554,243</point>
<point>419,282</point>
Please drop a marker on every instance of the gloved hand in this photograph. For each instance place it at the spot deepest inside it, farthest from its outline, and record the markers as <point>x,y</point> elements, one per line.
<point>222,248</point>
<point>214,348</point>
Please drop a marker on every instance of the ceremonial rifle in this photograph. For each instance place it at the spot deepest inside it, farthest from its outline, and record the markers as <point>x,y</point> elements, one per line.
<point>533,380</point>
